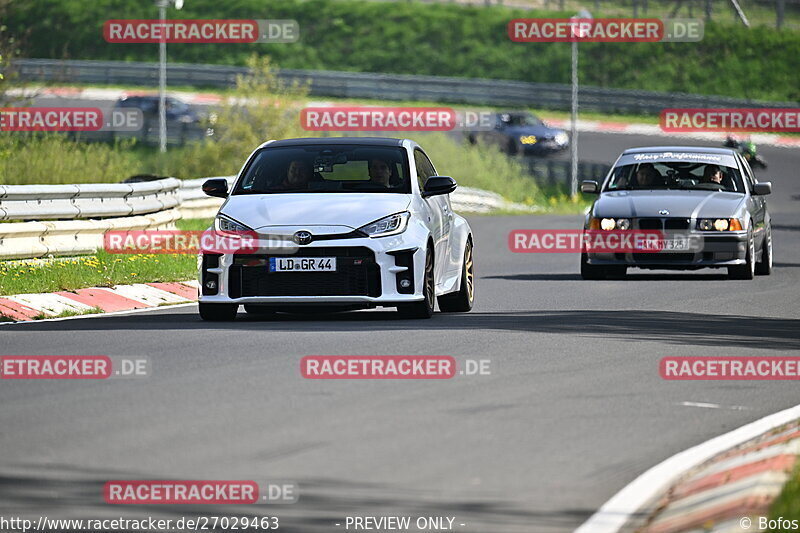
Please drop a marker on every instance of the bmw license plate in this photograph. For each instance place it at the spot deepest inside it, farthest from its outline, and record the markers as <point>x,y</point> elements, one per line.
<point>674,245</point>
<point>302,264</point>
<point>665,245</point>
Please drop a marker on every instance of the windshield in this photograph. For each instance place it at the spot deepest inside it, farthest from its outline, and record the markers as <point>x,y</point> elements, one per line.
<point>676,175</point>
<point>326,169</point>
<point>524,119</point>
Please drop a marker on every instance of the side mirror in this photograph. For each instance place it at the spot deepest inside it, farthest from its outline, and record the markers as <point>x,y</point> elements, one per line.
<point>590,187</point>
<point>216,187</point>
<point>762,188</point>
<point>436,185</point>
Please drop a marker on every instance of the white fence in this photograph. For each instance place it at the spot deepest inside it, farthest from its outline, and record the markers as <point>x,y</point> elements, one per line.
<point>71,219</point>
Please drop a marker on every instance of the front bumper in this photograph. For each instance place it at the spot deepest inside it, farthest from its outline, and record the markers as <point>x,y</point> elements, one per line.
<point>369,274</point>
<point>542,148</point>
<point>715,251</point>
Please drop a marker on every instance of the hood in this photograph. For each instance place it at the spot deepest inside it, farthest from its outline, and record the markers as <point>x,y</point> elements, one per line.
<point>679,203</point>
<point>543,132</point>
<point>351,210</point>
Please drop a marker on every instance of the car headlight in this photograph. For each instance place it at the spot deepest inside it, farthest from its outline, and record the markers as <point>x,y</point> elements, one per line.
<point>528,139</point>
<point>223,224</point>
<point>561,138</point>
<point>391,225</point>
<point>609,224</point>
<point>719,224</point>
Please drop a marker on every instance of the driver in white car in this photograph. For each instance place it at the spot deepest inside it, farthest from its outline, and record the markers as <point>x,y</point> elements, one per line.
<point>380,172</point>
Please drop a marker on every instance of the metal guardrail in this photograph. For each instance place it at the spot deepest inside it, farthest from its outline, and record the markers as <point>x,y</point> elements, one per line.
<point>48,202</point>
<point>482,92</point>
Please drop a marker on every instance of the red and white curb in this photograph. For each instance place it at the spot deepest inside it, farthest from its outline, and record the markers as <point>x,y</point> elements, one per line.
<point>27,307</point>
<point>716,486</point>
<point>596,126</point>
<point>737,485</point>
<point>588,126</point>
<point>91,93</point>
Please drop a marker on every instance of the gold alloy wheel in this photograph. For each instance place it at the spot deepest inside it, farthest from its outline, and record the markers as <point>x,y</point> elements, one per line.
<point>430,290</point>
<point>470,272</point>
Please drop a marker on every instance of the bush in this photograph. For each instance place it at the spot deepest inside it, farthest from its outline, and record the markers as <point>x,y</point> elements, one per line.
<point>434,39</point>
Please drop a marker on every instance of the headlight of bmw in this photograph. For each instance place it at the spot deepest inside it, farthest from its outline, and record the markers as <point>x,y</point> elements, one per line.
<point>609,224</point>
<point>719,224</point>
<point>391,225</point>
<point>223,224</point>
<point>561,138</point>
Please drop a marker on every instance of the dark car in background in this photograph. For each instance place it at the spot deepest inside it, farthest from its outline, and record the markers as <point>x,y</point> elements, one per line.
<point>521,132</point>
<point>183,123</point>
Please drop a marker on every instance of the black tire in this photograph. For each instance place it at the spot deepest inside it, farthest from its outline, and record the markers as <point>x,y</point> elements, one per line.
<point>218,312</point>
<point>256,309</point>
<point>764,267</point>
<point>616,271</point>
<point>425,308</point>
<point>461,300</point>
<point>746,271</point>
<point>591,272</point>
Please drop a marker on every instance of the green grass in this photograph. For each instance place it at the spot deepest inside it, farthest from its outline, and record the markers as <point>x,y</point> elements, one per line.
<point>65,314</point>
<point>787,504</point>
<point>273,107</point>
<point>27,159</point>
<point>99,270</point>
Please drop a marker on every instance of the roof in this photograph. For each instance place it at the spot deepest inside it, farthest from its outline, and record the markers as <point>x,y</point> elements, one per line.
<point>363,141</point>
<point>691,149</point>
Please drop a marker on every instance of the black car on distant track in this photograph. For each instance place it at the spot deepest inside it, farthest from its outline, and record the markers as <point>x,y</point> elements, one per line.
<point>183,122</point>
<point>521,132</point>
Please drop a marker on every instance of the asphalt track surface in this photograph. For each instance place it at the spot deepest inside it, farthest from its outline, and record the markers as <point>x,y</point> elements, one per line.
<point>574,408</point>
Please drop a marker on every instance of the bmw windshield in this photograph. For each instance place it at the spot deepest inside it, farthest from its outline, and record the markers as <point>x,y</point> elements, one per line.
<point>326,169</point>
<point>676,175</point>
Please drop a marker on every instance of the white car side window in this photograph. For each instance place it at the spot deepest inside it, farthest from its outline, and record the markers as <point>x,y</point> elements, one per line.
<point>424,167</point>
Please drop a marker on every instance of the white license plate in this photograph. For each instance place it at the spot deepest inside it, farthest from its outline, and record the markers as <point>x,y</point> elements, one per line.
<point>302,264</point>
<point>670,245</point>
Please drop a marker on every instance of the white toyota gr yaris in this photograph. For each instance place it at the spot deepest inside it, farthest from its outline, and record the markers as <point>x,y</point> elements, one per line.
<point>342,223</point>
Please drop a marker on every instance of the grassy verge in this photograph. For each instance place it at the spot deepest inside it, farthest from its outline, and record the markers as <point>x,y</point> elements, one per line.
<point>273,107</point>
<point>99,270</point>
<point>786,505</point>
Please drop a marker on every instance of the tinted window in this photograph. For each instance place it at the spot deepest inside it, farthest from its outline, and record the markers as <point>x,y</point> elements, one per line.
<point>326,168</point>
<point>424,168</point>
<point>675,175</point>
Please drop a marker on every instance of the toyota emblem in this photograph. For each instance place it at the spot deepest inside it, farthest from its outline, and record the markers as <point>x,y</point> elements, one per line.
<point>302,237</point>
<point>663,212</point>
